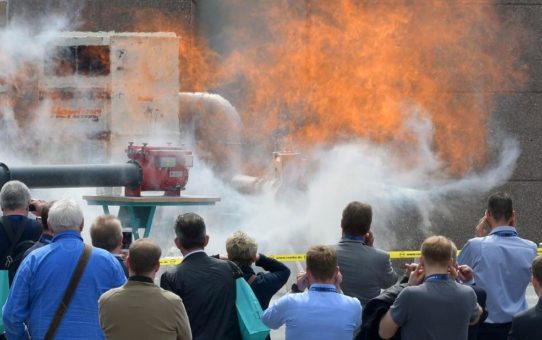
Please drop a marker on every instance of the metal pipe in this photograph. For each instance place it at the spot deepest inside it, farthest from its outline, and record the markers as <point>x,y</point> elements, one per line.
<point>74,176</point>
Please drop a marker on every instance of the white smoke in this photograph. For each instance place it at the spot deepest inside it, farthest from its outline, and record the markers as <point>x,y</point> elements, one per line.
<point>360,170</point>
<point>23,50</point>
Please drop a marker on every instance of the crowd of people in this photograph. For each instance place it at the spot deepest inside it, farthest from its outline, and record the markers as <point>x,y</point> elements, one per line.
<point>63,288</point>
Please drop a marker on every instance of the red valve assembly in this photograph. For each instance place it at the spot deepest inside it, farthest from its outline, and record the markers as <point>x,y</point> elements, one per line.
<point>163,168</point>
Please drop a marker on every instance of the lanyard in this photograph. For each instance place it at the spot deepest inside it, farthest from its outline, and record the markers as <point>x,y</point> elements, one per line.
<point>505,233</point>
<point>437,277</point>
<point>354,238</point>
<point>324,289</point>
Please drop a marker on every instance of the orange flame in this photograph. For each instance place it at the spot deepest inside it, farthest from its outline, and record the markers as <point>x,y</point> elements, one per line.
<point>322,72</point>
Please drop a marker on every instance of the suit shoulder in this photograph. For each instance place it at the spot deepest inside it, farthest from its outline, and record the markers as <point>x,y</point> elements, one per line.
<point>380,252</point>
<point>110,293</point>
<point>525,314</point>
<point>169,296</point>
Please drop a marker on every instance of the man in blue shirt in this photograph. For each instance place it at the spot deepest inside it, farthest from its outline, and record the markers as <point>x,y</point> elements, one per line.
<point>43,277</point>
<point>321,313</point>
<point>501,262</point>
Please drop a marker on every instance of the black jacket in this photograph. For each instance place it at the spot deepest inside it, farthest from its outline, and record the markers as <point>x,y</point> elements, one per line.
<point>207,287</point>
<point>377,307</point>
<point>527,324</point>
<point>374,311</point>
<point>30,234</point>
<point>265,285</point>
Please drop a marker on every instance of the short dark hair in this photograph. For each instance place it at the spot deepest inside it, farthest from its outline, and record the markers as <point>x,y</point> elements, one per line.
<point>321,262</point>
<point>190,230</point>
<point>437,250</point>
<point>45,215</point>
<point>357,218</point>
<point>144,255</point>
<point>500,206</point>
<point>536,268</point>
<point>106,232</point>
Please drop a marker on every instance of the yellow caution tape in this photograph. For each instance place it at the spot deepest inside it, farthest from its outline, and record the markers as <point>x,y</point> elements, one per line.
<point>394,255</point>
<point>170,261</point>
<point>404,254</point>
<point>288,257</point>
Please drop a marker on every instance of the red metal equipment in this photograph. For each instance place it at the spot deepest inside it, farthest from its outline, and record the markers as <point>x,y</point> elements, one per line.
<point>163,168</point>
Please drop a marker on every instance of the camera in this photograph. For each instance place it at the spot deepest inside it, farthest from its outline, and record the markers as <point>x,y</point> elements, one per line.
<point>127,239</point>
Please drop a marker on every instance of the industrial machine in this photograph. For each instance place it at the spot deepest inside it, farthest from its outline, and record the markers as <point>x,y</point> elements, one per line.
<point>148,169</point>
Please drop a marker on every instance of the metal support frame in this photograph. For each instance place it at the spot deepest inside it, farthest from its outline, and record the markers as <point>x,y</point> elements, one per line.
<point>138,212</point>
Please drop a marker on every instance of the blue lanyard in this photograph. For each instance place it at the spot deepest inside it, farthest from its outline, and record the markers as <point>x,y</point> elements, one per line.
<point>354,238</point>
<point>505,233</point>
<point>437,277</point>
<point>323,289</point>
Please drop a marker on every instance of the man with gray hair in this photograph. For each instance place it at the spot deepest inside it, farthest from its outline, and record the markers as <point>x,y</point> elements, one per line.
<point>17,231</point>
<point>44,275</point>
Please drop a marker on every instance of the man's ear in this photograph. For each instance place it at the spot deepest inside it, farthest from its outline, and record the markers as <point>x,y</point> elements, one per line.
<point>206,242</point>
<point>82,225</point>
<point>178,243</point>
<point>157,267</point>
<point>512,220</point>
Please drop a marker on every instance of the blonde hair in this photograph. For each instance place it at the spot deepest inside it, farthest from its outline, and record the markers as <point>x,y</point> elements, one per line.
<point>321,262</point>
<point>437,250</point>
<point>241,248</point>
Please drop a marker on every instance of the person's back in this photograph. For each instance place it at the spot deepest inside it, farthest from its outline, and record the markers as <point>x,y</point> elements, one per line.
<point>501,262</point>
<point>51,266</point>
<point>433,306</point>
<point>365,269</point>
<point>338,315</point>
<point>503,271</point>
<point>526,325</point>
<point>41,282</point>
<point>205,284</point>
<point>17,231</point>
<point>140,309</point>
<point>243,251</point>
<point>321,313</point>
<point>436,310</point>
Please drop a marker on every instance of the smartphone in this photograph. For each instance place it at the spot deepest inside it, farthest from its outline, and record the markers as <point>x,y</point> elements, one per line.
<point>127,238</point>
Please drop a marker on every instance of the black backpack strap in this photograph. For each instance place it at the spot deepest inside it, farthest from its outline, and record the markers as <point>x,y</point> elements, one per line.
<point>7,224</point>
<point>68,294</point>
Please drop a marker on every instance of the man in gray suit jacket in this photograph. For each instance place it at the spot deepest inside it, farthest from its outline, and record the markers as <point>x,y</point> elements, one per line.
<point>365,269</point>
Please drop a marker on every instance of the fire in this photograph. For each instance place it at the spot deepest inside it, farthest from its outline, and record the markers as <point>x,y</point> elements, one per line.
<point>328,72</point>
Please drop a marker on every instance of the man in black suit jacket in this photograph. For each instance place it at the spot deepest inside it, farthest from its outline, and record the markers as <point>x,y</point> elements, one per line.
<point>205,284</point>
<point>528,324</point>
